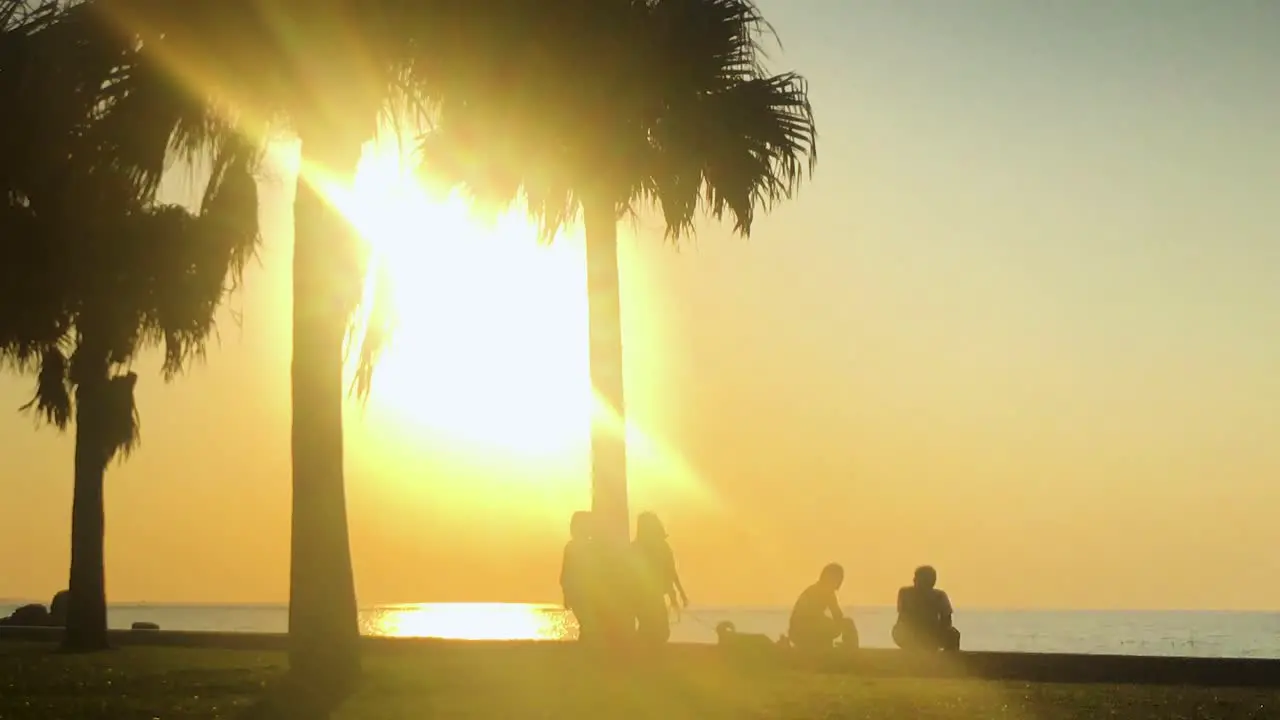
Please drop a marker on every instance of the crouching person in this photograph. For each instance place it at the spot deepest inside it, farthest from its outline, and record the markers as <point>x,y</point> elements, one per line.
<point>816,620</point>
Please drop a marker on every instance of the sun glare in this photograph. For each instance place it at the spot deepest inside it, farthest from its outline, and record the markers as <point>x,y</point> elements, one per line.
<point>490,343</point>
<point>470,621</point>
<point>489,353</point>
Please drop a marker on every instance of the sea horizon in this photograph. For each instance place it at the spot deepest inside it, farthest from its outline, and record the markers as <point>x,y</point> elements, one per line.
<point>1194,633</point>
<point>263,604</point>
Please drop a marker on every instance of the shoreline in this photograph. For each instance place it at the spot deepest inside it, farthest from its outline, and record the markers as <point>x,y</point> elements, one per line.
<point>869,662</point>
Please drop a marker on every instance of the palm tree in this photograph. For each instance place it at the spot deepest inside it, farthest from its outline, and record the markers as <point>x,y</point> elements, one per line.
<point>95,271</point>
<point>323,72</point>
<point>665,101</point>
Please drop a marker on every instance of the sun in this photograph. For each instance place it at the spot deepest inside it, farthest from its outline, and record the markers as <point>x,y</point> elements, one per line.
<point>490,343</point>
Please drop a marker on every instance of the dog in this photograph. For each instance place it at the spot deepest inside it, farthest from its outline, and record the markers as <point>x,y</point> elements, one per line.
<point>729,638</point>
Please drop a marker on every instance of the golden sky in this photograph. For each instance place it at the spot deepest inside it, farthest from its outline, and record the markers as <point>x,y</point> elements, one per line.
<point>1023,325</point>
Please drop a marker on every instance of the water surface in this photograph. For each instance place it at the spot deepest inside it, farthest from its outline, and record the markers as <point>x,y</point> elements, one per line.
<point>1201,634</point>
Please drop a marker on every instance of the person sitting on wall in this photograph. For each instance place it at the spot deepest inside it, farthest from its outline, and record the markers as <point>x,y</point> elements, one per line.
<point>924,615</point>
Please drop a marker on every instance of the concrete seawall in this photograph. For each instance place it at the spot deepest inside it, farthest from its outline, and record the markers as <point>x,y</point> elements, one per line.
<point>872,662</point>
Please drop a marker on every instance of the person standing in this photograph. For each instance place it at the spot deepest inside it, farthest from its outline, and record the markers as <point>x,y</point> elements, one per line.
<point>657,580</point>
<point>579,575</point>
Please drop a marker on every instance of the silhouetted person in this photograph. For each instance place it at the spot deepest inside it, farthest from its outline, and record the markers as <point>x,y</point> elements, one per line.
<point>816,620</point>
<point>579,575</point>
<point>924,615</point>
<point>656,580</point>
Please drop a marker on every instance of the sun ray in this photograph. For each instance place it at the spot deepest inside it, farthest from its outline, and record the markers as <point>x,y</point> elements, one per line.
<point>490,353</point>
<point>490,344</point>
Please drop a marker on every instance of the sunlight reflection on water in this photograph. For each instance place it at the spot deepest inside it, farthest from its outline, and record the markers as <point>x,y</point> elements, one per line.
<point>470,621</point>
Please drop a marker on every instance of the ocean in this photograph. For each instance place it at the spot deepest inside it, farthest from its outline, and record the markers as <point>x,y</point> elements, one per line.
<point>1199,634</point>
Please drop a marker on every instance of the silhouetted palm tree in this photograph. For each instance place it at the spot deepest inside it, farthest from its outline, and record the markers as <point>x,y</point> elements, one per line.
<point>323,72</point>
<point>94,272</point>
<point>666,101</point>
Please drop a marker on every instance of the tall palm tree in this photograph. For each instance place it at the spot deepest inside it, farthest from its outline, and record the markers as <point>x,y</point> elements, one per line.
<point>323,72</point>
<point>665,101</point>
<point>95,271</point>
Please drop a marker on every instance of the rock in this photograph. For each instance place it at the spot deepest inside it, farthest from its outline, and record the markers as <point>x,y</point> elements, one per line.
<point>145,626</point>
<point>34,615</point>
<point>58,608</point>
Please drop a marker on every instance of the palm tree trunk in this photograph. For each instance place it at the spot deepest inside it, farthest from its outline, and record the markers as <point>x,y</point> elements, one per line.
<point>323,623</point>
<point>87,606</point>
<point>604,326</point>
<point>608,435</point>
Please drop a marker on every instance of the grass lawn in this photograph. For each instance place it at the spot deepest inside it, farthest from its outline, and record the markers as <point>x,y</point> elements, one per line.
<point>559,682</point>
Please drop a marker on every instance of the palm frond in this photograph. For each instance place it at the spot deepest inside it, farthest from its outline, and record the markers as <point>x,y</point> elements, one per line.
<point>34,314</point>
<point>52,399</point>
<point>707,43</point>
<point>152,119</point>
<point>103,401</point>
<point>122,430</point>
<point>24,17</point>
<point>179,286</point>
<point>226,51</point>
<point>375,334</point>
<point>666,100</point>
<point>742,148</point>
<point>229,211</point>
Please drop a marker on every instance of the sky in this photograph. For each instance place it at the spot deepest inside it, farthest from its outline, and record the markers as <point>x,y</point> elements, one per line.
<point>1023,324</point>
